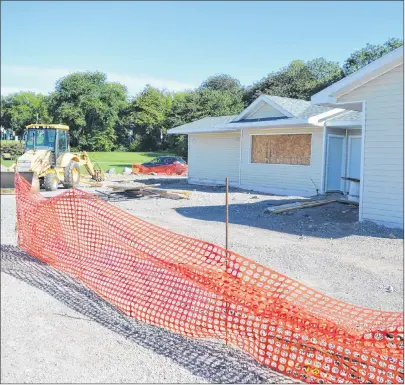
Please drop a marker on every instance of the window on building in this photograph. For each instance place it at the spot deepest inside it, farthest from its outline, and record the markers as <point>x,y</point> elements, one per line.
<point>62,141</point>
<point>282,149</point>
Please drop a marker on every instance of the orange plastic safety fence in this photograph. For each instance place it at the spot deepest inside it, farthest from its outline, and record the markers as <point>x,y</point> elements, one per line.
<point>199,290</point>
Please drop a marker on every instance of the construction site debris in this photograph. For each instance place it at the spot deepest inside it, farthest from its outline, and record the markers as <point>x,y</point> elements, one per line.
<point>7,191</point>
<point>348,202</point>
<point>92,183</point>
<point>123,187</point>
<point>151,190</point>
<point>111,197</point>
<point>111,171</point>
<point>296,205</point>
<point>127,171</point>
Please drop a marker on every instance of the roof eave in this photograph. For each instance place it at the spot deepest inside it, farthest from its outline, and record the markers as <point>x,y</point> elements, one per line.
<point>271,124</point>
<point>344,124</point>
<point>376,68</point>
<point>214,130</point>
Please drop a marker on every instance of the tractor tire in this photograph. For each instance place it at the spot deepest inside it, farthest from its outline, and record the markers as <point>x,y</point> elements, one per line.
<point>72,174</point>
<point>51,182</point>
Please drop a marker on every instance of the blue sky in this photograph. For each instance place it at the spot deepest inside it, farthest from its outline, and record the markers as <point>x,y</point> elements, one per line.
<point>177,45</point>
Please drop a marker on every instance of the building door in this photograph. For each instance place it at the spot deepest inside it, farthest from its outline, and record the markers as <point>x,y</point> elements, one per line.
<point>353,169</point>
<point>334,163</point>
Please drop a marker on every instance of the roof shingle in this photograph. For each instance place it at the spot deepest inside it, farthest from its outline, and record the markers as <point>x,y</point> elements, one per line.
<point>299,109</point>
<point>203,125</point>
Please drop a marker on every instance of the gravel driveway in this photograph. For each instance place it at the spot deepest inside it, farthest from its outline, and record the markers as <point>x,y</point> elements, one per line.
<point>56,330</point>
<point>324,246</point>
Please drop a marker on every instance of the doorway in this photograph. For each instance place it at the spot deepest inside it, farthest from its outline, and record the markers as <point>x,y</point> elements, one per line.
<point>354,157</point>
<point>335,163</point>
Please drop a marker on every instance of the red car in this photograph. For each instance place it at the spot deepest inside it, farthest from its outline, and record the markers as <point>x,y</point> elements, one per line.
<point>168,165</point>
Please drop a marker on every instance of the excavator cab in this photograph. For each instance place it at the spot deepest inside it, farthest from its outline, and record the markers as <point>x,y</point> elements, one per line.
<point>44,138</point>
<point>49,137</point>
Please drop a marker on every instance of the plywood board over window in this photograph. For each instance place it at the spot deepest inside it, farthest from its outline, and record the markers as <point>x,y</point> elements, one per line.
<point>282,149</point>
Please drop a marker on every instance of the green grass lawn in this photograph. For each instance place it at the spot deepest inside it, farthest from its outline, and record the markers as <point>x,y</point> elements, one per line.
<point>4,141</point>
<point>117,160</point>
<point>7,163</point>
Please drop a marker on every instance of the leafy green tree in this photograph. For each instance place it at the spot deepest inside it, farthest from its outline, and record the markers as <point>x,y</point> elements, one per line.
<point>299,80</point>
<point>23,108</point>
<point>221,82</point>
<point>147,117</point>
<point>324,72</point>
<point>199,104</point>
<point>368,54</point>
<point>175,117</point>
<point>190,106</point>
<point>90,106</point>
<point>125,125</point>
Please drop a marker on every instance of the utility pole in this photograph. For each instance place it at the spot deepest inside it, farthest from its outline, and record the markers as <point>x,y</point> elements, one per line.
<point>226,251</point>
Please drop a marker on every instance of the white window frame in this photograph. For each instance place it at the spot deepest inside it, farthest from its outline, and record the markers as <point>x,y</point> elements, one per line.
<point>349,148</point>
<point>281,133</point>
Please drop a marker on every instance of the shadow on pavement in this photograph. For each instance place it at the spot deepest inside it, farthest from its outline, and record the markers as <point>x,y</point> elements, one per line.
<point>333,220</point>
<point>212,361</point>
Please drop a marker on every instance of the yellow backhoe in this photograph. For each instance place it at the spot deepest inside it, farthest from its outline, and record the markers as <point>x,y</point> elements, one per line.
<point>47,159</point>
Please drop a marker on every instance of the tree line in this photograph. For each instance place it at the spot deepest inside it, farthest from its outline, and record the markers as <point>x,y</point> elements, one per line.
<point>102,117</point>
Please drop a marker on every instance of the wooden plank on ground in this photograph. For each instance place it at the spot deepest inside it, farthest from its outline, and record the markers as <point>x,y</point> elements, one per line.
<point>297,205</point>
<point>128,187</point>
<point>166,193</point>
<point>347,202</point>
<point>185,193</point>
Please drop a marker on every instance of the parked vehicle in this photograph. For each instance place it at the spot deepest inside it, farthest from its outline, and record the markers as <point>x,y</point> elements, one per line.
<point>47,159</point>
<point>168,165</point>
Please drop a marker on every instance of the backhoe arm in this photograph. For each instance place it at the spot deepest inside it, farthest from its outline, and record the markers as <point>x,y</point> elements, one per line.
<point>95,172</point>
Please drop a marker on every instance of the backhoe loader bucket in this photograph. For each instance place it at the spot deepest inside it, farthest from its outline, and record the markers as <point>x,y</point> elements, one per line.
<point>7,179</point>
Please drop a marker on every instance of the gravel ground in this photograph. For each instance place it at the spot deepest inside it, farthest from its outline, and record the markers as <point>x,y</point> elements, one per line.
<point>8,233</point>
<point>324,247</point>
<point>55,330</point>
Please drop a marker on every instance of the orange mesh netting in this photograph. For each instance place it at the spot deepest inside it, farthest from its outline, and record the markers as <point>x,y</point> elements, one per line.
<point>199,290</point>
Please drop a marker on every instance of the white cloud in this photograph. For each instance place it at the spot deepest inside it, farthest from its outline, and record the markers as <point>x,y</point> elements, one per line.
<point>39,79</point>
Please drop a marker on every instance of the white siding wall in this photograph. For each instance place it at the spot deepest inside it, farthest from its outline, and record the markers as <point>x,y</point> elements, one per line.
<point>265,111</point>
<point>282,179</point>
<point>212,157</point>
<point>383,147</point>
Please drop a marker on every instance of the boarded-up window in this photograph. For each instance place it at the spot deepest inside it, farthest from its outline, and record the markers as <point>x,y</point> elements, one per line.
<point>282,149</point>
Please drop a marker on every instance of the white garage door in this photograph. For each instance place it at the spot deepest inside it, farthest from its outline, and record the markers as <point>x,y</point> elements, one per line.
<point>212,157</point>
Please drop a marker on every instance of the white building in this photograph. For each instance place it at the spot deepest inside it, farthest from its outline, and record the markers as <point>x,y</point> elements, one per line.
<point>352,129</point>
